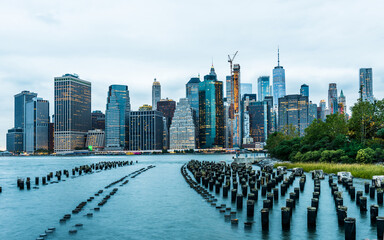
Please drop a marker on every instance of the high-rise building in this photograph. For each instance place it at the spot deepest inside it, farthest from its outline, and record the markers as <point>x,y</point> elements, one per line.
<point>156,93</point>
<point>145,107</point>
<point>263,87</point>
<point>72,112</point>
<point>323,110</point>
<point>15,140</point>
<point>278,81</point>
<point>211,112</point>
<point>228,88</point>
<point>271,115</point>
<point>312,112</point>
<point>183,131</point>
<point>245,128</point>
<point>342,103</point>
<point>36,125</point>
<point>21,100</point>
<point>366,86</point>
<point>245,88</point>
<point>192,94</point>
<point>293,111</point>
<point>95,139</point>
<point>258,120</point>
<point>236,97</point>
<point>145,130</point>
<point>51,137</point>
<point>167,107</point>
<point>304,90</point>
<point>98,120</point>
<point>332,98</point>
<point>118,106</point>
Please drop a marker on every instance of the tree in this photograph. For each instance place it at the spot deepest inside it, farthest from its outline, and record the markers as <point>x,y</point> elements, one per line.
<point>365,155</point>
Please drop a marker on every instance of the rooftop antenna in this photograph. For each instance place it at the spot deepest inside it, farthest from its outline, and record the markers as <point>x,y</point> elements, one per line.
<point>278,56</point>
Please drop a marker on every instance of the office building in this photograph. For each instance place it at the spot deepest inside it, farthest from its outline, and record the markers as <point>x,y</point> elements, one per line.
<point>278,81</point>
<point>228,88</point>
<point>95,140</point>
<point>304,90</point>
<point>258,120</point>
<point>72,112</point>
<point>145,130</point>
<point>332,98</point>
<point>245,88</point>
<point>145,107</point>
<point>183,131</point>
<point>236,97</point>
<point>293,111</point>
<point>36,129</point>
<point>156,93</point>
<point>15,140</point>
<point>312,112</point>
<point>323,110</point>
<point>263,87</point>
<point>167,107</point>
<point>342,103</point>
<point>366,84</point>
<point>98,120</point>
<point>211,112</point>
<point>118,106</point>
<point>192,93</point>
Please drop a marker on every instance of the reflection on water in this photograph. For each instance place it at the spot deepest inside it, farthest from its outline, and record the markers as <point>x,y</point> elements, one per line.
<point>157,204</point>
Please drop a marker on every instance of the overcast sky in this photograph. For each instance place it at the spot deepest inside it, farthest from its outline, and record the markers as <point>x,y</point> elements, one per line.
<point>133,42</point>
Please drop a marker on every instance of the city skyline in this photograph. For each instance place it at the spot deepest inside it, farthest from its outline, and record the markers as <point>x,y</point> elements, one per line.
<point>335,55</point>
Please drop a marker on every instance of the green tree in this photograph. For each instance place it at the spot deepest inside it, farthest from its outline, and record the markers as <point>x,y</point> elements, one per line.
<point>366,155</point>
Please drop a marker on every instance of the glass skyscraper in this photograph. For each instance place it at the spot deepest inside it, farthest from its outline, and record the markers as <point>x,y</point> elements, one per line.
<point>342,103</point>
<point>312,112</point>
<point>263,87</point>
<point>183,131</point>
<point>15,140</point>
<point>72,112</point>
<point>278,82</point>
<point>304,90</point>
<point>36,125</point>
<point>145,130</point>
<point>366,84</point>
<point>332,98</point>
<point>211,112</point>
<point>156,93</point>
<point>245,88</point>
<point>192,94</point>
<point>118,106</point>
<point>293,110</point>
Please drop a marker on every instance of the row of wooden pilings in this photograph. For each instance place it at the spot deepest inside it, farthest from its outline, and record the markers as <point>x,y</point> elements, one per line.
<point>81,170</point>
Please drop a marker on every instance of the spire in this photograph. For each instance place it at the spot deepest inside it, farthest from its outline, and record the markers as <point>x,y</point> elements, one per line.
<point>341,93</point>
<point>278,56</point>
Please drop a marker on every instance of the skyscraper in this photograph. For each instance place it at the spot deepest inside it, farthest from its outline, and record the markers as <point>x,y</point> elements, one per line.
<point>245,88</point>
<point>156,93</point>
<point>263,87</point>
<point>15,140</point>
<point>342,103</point>
<point>145,130</point>
<point>236,97</point>
<point>118,106</point>
<point>293,110</point>
<point>323,108</point>
<point>36,125</point>
<point>183,131</point>
<point>228,88</point>
<point>332,98</point>
<point>192,94</point>
<point>21,100</point>
<point>98,120</point>
<point>278,81</point>
<point>304,90</point>
<point>211,112</point>
<point>312,112</point>
<point>72,112</point>
<point>167,107</point>
<point>258,120</point>
<point>366,87</point>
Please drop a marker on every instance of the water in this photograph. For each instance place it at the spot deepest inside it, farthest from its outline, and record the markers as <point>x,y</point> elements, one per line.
<point>158,204</point>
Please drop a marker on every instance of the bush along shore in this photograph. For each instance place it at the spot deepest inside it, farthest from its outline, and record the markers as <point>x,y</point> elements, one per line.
<point>357,170</point>
<point>353,143</point>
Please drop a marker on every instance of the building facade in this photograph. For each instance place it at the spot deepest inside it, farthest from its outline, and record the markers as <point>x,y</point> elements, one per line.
<point>263,87</point>
<point>236,97</point>
<point>211,112</point>
<point>293,111</point>
<point>72,112</point>
<point>304,90</point>
<point>278,82</point>
<point>145,130</point>
<point>118,106</point>
<point>332,98</point>
<point>95,140</point>
<point>183,131</point>
<point>15,140</point>
<point>156,93</point>
<point>366,84</point>
<point>98,120</point>
<point>245,88</point>
<point>342,103</point>
<point>258,121</point>
<point>167,107</point>
<point>36,125</point>
<point>312,112</point>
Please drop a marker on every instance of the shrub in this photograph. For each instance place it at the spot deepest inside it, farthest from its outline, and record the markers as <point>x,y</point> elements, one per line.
<point>365,155</point>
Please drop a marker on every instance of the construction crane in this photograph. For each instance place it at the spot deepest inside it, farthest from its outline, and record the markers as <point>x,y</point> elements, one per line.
<point>230,60</point>
<point>231,100</point>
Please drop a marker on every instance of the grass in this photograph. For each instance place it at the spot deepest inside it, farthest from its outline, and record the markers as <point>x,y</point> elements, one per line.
<point>357,170</point>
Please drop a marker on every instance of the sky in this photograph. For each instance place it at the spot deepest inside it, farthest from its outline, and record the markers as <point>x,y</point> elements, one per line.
<point>132,42</point>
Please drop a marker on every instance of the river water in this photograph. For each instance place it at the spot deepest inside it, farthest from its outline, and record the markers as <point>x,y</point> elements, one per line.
<point>157,204</point>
